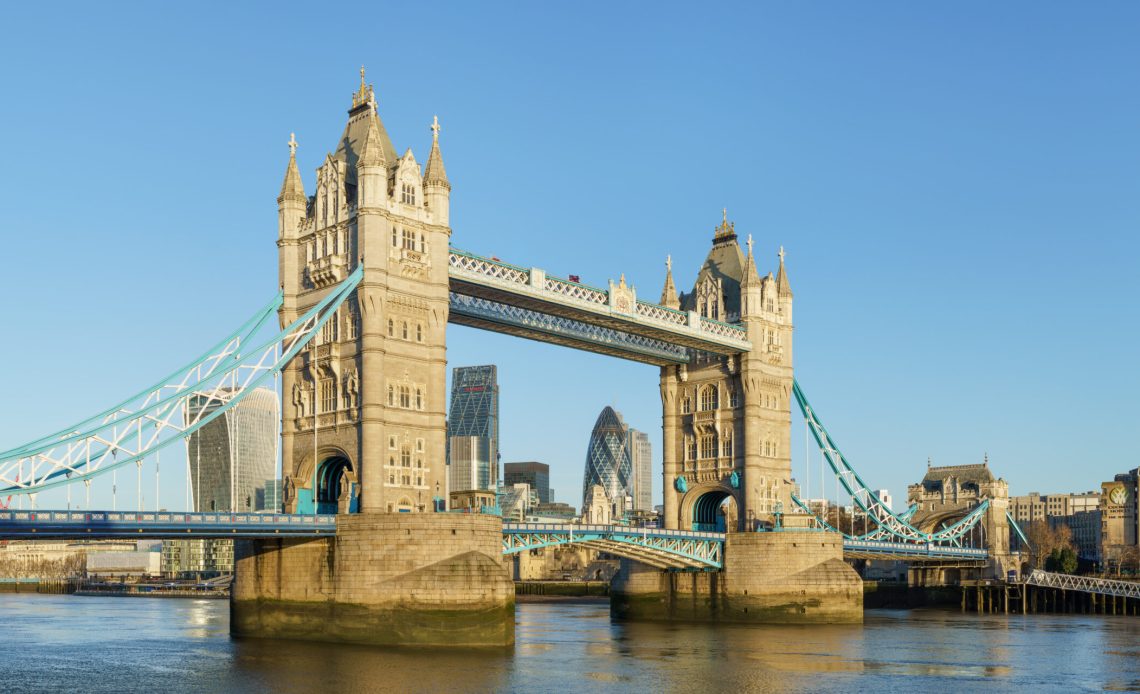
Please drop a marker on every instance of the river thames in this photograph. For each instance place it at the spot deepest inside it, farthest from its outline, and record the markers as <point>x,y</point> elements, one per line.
<point>86,644</point>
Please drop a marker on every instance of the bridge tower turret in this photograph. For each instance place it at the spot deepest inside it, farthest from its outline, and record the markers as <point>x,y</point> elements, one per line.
<point>726,420</point>
<point>437,189</point>
<point>363,406</point>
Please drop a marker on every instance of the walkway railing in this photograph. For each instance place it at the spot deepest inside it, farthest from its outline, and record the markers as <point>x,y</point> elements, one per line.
<point>661,548</point>
<point>106,524</point>
<point>1085,584</point>
<point>530,285</point>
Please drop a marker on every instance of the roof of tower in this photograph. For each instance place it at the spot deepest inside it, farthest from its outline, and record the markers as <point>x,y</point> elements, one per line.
<point>361,118</point>
<point>434,172</point>
<point>292,185</point>
<point>966,474</point>
<point>725,262</point>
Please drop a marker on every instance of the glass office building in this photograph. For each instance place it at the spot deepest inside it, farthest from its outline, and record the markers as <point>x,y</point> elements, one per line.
<point>608,460</point>
<point>474,412</point>
<point>235,454</point>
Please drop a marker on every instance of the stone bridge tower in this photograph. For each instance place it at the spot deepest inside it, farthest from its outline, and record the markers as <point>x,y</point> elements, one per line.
<point>363,411</point>
<point>727,420</point>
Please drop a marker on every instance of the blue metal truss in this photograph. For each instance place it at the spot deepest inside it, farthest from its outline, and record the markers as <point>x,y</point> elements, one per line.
<point>544,327</point>
<point>155,418</point>
<point>108,524</point>
<point>664,549</point>
<point>887,522</point>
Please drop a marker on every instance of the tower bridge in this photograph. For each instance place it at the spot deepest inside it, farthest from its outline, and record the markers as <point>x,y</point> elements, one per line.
<point>370,279</point>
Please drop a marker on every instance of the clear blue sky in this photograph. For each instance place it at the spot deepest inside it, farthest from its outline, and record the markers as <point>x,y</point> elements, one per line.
<point>957,187</point>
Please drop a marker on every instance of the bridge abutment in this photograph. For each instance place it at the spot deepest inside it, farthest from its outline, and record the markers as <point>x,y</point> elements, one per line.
<point>386,579</point>
<point>791,577</point>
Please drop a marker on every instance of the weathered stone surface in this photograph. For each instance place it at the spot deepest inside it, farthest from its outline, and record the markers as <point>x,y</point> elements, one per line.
<point>785,577</point>
<point>395,579</point>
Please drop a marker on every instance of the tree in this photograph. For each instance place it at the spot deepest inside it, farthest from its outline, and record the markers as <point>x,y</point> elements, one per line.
<point>1045,539</point>
<point>1062,560</point>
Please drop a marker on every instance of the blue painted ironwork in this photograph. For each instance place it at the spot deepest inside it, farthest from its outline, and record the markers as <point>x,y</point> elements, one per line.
<point>537,325</point>
<point>665,549</point>
<point>110,524</point>
<point>877,512</point>
<point>157,417</point>
<point>532,289</point>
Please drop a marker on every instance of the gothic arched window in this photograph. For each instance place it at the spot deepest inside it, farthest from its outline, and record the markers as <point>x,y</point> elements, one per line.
<point>709,398</point>
<point>708,446</point>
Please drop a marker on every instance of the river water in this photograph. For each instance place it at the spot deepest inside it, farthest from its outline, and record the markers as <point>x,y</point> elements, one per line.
<point>54,643</point>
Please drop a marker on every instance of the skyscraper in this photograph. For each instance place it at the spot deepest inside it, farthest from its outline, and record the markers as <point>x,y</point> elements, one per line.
<point>474,412</point>
<point>233,456</point>
<point>608,461</point>
<point>537,475</point>
<point>641,457</point>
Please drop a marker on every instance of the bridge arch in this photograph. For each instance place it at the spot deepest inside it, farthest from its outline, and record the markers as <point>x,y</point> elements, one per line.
<point>333,478</point>
<point>710,506</point>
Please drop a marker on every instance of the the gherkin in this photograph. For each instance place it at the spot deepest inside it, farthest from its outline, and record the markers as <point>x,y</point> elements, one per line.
<point>608,460</point>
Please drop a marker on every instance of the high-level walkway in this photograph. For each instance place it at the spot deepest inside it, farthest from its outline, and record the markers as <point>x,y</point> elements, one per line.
<point>492,295</point>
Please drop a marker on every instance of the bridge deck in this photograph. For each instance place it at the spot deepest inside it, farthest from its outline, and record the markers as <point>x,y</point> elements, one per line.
<point>30,525</point>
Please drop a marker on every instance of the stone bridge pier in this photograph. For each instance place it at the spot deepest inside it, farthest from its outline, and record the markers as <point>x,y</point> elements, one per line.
<point>789,577</point>
<point>427,579</point>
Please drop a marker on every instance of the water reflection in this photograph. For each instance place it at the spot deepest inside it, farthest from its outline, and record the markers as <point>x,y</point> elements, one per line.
<point>123,645</point>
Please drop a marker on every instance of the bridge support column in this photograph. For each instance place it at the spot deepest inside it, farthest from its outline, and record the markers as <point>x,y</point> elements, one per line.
<point>389,579</point>
<point>773,577</point>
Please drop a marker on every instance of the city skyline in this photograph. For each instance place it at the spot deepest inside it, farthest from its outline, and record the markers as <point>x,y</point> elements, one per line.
<point>956,191</point>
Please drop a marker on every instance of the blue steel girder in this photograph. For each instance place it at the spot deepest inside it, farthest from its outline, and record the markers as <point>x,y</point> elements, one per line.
<point>663,549</point>
<point>913,551</point>
<point>28,525</point>
<point>489,315</point>
<point>153,419</point>
<point>616,309</point>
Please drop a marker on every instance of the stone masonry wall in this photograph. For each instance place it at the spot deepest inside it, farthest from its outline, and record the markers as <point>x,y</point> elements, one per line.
<point>786,577</point>
<point>400,579</point>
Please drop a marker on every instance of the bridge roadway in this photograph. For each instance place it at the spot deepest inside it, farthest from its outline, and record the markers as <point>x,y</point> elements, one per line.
<point>659,547</point>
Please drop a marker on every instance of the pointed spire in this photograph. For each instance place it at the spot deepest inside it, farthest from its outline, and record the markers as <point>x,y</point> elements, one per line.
<point>434,172</point>
<point>372,152</point>
<point>783,288</point>
<point>751,276</point>
<point>292,186</point>
<point>669,292</point>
